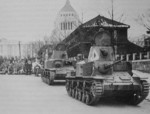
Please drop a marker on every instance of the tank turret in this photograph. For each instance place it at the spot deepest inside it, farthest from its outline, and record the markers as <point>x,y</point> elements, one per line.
<point>102,76</point>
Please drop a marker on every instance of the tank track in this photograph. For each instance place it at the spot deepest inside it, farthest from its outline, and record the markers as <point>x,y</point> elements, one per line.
<point>48,77</point>
<point>88,92</point>
<point>141,95</point>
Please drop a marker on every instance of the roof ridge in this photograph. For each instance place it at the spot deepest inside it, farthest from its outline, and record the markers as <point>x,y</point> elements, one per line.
<point>104,21</point>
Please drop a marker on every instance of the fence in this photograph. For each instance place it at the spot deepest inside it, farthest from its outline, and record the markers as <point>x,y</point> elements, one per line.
<point>140,61</point>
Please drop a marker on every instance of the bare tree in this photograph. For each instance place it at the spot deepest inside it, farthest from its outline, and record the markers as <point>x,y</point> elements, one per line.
<point>144,20</point>
<point>56,36</point>
<point>46,40</point>
<point>114,15</point>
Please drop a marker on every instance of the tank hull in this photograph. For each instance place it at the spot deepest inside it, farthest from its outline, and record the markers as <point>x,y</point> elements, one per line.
<point>101,75</point>
<point>49,76</point>
<point>90,90</point>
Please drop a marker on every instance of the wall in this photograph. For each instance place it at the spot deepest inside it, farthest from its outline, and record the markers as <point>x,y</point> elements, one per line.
<point>141,65</point>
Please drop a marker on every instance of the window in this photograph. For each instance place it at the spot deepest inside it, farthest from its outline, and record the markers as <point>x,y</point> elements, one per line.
<point>68,25</point>
<point>115,34</point>
<point>71,26</point>
<point>61,26</point>
<point>147,43</point>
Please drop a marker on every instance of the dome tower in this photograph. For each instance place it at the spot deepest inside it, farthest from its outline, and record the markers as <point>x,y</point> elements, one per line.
<point>67,20</point>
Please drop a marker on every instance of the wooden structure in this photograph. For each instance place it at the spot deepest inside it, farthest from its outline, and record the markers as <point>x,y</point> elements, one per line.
<point>81,39</point>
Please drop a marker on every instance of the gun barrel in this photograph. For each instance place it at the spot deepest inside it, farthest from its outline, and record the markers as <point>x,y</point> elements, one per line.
<point>111,65</point>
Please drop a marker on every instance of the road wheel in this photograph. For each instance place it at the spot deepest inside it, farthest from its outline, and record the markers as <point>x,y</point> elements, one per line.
<point>69,92</point>
<point>79,95</point>
<point>67,86</point>
<point>76,94</point>
<point>83,97</point>
<point>50,81</point>
<point>46,80</point>
<point>73,93</point>
<point>87,99</point>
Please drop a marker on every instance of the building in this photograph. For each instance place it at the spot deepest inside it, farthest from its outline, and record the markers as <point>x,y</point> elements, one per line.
<point>67,20</point>
<point>80,40</point>
<point>143,41</point>
<point>13,48</point>
<point>9,48</point>
<point>147,44</point>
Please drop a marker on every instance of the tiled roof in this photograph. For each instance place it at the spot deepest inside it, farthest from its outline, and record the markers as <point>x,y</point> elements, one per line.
<point>104,22</point>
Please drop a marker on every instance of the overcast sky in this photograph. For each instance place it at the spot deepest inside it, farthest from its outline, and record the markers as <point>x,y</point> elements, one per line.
<point>28,20</point>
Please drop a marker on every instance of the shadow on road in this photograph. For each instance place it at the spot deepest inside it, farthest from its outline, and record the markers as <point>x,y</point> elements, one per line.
<point>59,84</point>
<point>112,102</point>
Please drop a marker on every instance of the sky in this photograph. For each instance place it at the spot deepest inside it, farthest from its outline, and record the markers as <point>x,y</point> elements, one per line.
<point>30,20</point>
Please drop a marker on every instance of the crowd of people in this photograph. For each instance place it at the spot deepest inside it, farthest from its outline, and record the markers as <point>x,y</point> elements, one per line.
<point>19,66</point>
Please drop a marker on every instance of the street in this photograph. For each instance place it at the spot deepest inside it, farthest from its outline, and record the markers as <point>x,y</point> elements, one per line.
<point>22,94</point>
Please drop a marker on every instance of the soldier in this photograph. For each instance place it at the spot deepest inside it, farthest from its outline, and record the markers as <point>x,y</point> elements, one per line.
<point>29,67</point>
<point>25,66</point>
<point>10,68</point>
<point>15,67</point>
<point>36,66</point>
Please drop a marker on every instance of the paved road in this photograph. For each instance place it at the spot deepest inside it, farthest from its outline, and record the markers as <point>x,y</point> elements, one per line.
<point>28,95</point>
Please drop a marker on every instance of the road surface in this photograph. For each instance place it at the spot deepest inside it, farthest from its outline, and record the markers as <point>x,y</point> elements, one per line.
<point>21,94</point>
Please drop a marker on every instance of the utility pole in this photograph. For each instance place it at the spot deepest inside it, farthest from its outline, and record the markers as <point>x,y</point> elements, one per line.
<point>19,49</point>
<point>113,30</point>
<point>112,11</point>
<point>32,49</point>
<point>112,15</point>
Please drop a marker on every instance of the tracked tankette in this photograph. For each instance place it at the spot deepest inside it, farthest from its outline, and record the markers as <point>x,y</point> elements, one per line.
<point>56,67</point>
<point>102,76</point>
